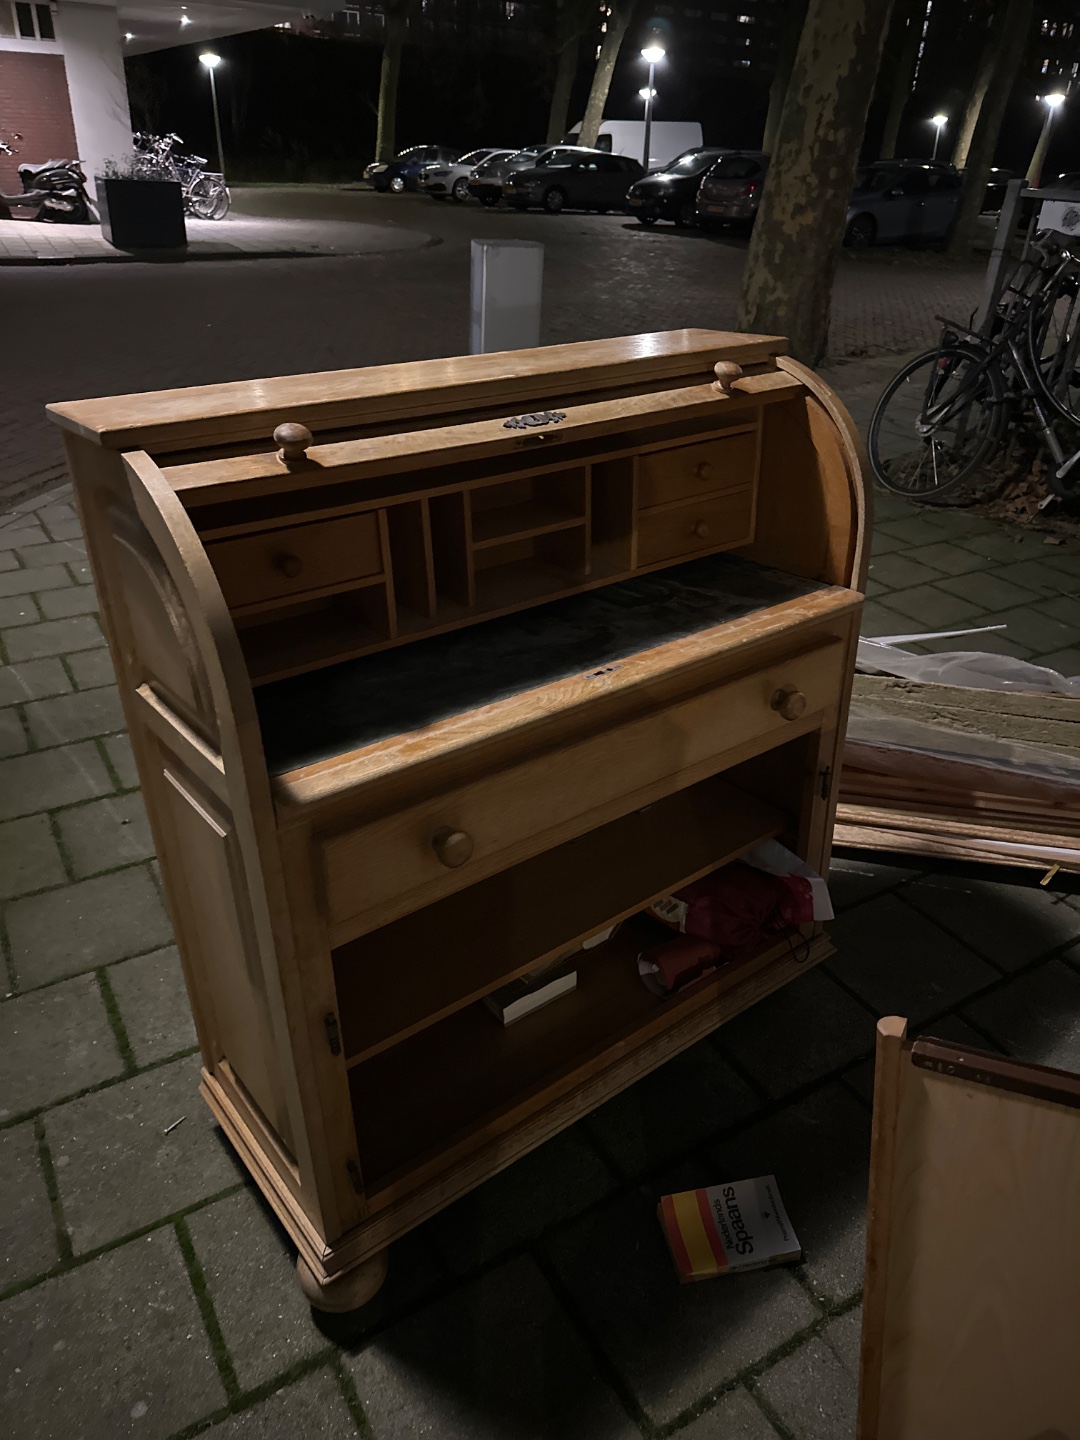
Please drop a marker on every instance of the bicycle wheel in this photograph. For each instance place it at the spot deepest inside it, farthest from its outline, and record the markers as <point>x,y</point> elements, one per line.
<point>1054,340</point>
<point>209,198</point>
<point>936,423</point>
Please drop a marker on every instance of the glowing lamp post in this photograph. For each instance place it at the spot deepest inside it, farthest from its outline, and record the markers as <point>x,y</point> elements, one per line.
<point>939,122</point>
<point>1053,103</point>
<point>211,62</point>
<point>653,54</point>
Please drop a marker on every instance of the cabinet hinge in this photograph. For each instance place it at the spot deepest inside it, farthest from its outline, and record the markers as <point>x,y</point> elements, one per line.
<point>355,1177</point>
<point>333,1034</point>
<point>826,782</point>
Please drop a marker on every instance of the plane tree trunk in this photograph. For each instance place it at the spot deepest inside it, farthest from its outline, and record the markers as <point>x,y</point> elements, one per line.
<point>1009,51</point>
<point>622,12</point>
<point>791,264</point>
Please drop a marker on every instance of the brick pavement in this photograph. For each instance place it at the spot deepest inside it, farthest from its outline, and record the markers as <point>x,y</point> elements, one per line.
<point>146,1291</point>
<point>92,330</point>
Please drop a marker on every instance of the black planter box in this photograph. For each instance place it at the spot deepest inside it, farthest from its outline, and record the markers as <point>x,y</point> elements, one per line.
<point>142,214</point>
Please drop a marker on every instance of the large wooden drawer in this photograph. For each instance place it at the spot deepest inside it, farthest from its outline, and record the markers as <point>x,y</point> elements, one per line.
<point>716,523</point>
<point>727,463</point>
<point>275,564</point>
<point>391,866</point>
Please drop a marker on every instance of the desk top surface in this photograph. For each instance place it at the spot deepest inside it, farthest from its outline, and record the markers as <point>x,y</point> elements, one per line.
<point>314,717</point>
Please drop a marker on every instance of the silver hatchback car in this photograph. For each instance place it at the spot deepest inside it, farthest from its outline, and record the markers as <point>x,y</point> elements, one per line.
<point>903,200</point>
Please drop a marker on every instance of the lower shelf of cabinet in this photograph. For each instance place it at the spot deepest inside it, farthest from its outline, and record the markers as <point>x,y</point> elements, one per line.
<point>427,1103</point>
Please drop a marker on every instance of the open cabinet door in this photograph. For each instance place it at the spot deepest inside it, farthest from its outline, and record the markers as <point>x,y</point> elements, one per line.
<point>971,1323</point>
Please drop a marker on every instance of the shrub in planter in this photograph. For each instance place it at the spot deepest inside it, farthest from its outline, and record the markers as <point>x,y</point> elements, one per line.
<point>142,207</point>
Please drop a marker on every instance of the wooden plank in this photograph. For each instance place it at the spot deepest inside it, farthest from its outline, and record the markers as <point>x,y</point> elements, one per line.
<point>250,409</point>
<point>979,1249</point>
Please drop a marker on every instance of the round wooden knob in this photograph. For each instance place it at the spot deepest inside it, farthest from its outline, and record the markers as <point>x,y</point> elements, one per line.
<point>453,847</point>
<point>290,565</point>
<point>789,702</point>
<point>701,529</point>
<point>294,440</point>
<point>704,470</point>
<point>726,372</point>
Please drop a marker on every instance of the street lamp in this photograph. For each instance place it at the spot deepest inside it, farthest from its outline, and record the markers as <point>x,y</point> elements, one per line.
<point>212,61</point>
<point>653,54</point>
<point>1053,103</point>
<point>939,122</point>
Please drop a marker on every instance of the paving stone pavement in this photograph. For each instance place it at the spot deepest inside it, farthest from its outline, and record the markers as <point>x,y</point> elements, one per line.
<point>145,1290</point>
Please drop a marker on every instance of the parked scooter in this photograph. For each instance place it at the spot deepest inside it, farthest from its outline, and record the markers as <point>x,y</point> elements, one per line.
<point>56,189</point>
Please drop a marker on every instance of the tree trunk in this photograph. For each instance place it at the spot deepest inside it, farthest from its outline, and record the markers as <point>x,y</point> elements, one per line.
<point>785,59</point>
<point>983,76</point>
<point>573,18</point>
<point>980,157</point>
<point>791,264</point>
<point>617,26</point>
<point>397,24</point>
<point>910,18</point>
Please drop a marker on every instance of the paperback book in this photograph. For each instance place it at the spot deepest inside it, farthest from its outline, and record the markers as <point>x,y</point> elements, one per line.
<point>724,1228</point>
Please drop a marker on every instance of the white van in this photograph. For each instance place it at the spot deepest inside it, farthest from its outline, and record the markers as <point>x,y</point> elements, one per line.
<point>667,139</point>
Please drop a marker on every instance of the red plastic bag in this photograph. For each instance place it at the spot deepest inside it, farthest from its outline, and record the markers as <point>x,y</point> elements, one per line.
<point>738,909</point>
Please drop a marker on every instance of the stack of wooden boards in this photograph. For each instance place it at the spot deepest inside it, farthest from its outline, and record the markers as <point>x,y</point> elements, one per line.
<point>963,774</point>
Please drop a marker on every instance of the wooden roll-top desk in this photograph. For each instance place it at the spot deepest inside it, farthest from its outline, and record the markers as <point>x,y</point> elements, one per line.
<point>434,670</point>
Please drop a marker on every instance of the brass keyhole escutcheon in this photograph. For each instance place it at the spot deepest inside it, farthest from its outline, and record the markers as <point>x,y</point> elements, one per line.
<point>289,565</point>
<point>701,529</point>
<point>788,702</point>
<point>452,847</point>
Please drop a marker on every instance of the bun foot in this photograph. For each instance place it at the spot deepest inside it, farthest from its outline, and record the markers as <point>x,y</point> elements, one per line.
<point>345,1292</point>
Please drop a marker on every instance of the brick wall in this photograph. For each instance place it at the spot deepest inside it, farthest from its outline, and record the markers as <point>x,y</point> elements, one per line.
<point>34,103</point>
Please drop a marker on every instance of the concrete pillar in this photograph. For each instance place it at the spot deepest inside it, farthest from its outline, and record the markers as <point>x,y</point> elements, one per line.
<point>94,57</point>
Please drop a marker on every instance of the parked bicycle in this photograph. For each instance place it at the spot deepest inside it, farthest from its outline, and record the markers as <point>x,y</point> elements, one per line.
<point>942,417</point>
<point>206,195</point>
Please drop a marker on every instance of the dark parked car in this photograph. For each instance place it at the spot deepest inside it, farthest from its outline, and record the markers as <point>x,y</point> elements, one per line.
<point>401,173</point>
<point>995,189</point>
<point>730,193</point>
<point>669,194</point>
<point>486,181</point>
<point>569,176</point>
<point>903,200</point>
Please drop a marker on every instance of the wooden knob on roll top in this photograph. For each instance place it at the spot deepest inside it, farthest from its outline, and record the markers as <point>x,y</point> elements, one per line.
<point>294,440</point>
<point>726,372</point>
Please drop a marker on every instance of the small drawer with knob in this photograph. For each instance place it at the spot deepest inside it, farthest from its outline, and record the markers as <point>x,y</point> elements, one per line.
<point>727,463</point>
<point>272,566</point>
<point>717,522</point>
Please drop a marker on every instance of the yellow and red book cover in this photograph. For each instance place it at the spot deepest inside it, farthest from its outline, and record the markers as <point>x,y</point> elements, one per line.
<point>739,1226</point>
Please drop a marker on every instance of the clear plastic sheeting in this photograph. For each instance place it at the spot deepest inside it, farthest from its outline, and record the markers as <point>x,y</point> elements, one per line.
<point>971,669</point>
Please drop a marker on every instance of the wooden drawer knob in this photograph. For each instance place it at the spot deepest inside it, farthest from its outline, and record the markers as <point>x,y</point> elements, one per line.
<point>789,702</point>
<point>289,565</point>
<point>453,847</point>
<point>704,470</point>
<point>701,529</point>
<point>726,372</point>
<point>294,440</point>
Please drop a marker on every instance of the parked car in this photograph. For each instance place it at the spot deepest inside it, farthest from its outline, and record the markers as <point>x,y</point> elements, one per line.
<point>670,194</point>
<point>903,200</point>
<point>486,181</point>
<point>667,139</point>
<point>571,176</point>
<point>995,189</point>
<point>443,179</point>
<point>400,173</point>
<point>730,192</point>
